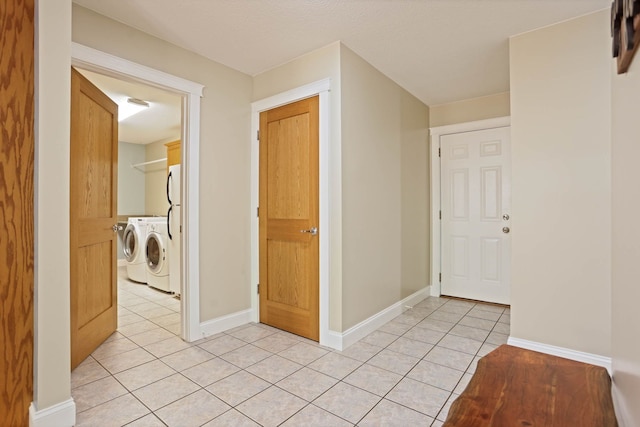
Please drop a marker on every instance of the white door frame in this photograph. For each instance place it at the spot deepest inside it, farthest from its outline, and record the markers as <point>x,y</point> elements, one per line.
<point>320,88</point>
<point>191,92</point>
<point>436,133</point>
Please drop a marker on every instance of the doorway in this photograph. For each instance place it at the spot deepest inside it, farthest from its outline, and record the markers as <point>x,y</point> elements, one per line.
<point>191,92</point>
<point>149,130</point>
<point>470,222</point>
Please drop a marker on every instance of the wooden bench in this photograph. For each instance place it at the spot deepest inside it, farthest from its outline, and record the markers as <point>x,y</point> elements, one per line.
<point>517,387</point>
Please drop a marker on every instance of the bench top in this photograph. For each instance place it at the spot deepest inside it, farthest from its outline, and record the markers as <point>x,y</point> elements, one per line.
<point>517,387</point>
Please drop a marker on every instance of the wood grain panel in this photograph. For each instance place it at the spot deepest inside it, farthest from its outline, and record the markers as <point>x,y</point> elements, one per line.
<point>94,156</point>
<point>94,264</point>
<point>288,180</point>
<point>16,210</point>
<point>286,284</point>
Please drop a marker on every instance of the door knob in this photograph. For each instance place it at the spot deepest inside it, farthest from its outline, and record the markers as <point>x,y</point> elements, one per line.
<point>115,228</point>
<point>505,217</point>
<point>313,231</point>
<point>505,230</point>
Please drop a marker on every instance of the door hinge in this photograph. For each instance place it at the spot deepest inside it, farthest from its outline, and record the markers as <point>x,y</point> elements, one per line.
<point>258,135</point>
<point>439,153</point>
<point>439,277</point>
<point>440,214</point>
<point>258,288</point>
<point>258,211</point>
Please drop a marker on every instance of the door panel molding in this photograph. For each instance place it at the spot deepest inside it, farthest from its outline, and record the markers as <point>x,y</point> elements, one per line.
<point>322,89</point>
<point>105,63</point>
<point>436,133</point>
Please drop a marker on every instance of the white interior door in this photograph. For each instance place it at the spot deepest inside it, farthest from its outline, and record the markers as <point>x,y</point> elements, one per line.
<point>476,202</point>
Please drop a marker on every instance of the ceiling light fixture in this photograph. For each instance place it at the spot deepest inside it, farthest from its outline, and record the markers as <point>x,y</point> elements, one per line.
<point>127,107</point>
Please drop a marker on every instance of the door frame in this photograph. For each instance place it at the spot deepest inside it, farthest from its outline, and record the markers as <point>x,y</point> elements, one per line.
<point>436,133</point>
<point>94,60</point>
<point>320,88</point>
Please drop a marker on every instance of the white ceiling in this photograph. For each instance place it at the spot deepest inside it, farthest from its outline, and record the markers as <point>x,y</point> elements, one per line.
<point>161,121</point>
<point>439,50</point>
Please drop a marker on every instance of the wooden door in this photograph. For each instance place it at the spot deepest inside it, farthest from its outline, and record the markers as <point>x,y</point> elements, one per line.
<point>476,203</point>
<point>289,239</point>
<point>94,172</point>
<point>16,210</point>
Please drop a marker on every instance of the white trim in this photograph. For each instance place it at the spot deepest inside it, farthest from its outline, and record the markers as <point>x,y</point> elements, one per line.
<point>224,323</point>
<point>296,94</point>
<point>498,122</point>
<point>436,133</point>
<point>60,415</point>
<point>122,262</point>
<point>567,353</point>
<point>367,326</point>
<point>102,62</point>
<point>622,413</point>
<point>105,63</point>
<point>321,88</point>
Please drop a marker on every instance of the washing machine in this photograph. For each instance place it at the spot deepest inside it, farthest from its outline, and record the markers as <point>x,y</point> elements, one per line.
<point>133,246</point>
<point>157,255</point>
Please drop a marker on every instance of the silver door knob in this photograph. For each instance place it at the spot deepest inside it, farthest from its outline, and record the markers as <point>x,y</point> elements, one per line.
<point>313,231</point>
<point>115,228</point>
<point>505,217</point>
<point>505,230</point>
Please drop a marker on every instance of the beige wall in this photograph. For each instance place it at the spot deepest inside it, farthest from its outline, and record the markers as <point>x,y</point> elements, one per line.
<point>469,110</point>
<point>561,112</point>
<point>385,208</point>
<point>314,66</point>
<point>130,180</point>
<point>317,65</point>
<point>626,244</point>
<point>224,154</point>
<point>415,200</point>
<point>52,380</point>
<point>379,180</point>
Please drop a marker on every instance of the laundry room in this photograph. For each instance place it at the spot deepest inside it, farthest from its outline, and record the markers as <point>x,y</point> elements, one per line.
<point>148,202</point>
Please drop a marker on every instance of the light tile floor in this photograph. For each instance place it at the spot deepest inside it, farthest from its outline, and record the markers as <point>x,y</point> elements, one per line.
<point>408,372</point>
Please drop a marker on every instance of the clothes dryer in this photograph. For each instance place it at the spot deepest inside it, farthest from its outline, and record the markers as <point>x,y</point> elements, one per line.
<point>134,240</point>
<point>157,255</point>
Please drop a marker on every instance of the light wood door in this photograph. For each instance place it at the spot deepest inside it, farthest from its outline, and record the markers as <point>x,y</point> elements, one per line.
<point>289,248</point>
<point>16,210</point>
<point>93,213</point>
<point>476,203</point>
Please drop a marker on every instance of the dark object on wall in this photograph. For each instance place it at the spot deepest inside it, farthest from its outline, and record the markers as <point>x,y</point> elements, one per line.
<point>625,30</point>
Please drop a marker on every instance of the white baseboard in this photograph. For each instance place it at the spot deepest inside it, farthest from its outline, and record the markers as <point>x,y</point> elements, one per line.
<point>333,339</point>
<point>224,323</point>
<point>60,415</point>
<point>620,406</point>
<point>593,359</point>
<point>364,328</point>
